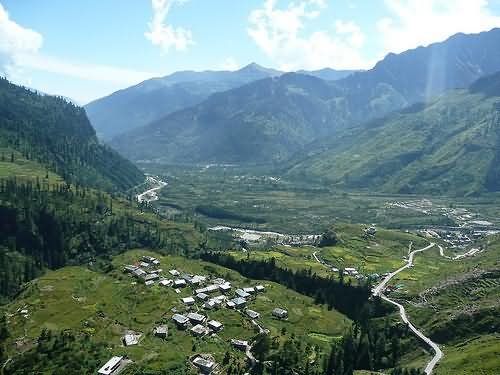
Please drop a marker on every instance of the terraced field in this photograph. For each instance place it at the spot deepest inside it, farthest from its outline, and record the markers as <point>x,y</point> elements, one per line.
<point>106,305</point>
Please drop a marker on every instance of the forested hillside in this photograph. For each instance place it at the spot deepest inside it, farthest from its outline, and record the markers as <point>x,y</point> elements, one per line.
<point>448,145</point>
<point>46,225</point>
<point>265,121</point>
<point>58,135</point>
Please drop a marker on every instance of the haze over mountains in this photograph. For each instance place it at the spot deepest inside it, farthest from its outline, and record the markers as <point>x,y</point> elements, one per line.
<point>153,99</point>
<point>315,126</point>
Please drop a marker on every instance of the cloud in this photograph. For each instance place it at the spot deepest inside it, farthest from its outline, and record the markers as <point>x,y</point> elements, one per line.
<point>280,34</point>
<point>15,40</point>
<point>87,72</point>
<point>420,22</point>
<point>230,64</point>
<point>20,55</point>
<point>355,38</point>
<point>163,35</point>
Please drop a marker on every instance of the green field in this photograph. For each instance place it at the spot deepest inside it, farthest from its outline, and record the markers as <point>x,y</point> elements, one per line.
<point>264,201</point>
<point>105,305</point>
<point>22,168</point>
<point>378,254</point>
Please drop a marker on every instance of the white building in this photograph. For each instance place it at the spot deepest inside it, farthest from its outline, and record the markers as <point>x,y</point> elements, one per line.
<point>188,301</point>
<point>111,366</point>
<point>280,313</point>
<point>204,365</point>
<point>214,325</point>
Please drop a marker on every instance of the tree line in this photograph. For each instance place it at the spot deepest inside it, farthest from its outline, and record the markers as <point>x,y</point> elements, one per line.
<point>50,226</point>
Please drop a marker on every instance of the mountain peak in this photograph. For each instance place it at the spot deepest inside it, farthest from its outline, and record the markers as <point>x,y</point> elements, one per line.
<point>253,67</point>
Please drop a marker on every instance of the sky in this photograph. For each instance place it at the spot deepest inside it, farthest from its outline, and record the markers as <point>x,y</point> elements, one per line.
<point>86,49</point>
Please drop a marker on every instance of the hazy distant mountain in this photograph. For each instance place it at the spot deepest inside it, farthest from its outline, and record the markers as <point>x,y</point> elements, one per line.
<point>449,145</point>
<point>261,122</point>
<point>272,119</point>
<point>155,98</point>
<point>328,74</point>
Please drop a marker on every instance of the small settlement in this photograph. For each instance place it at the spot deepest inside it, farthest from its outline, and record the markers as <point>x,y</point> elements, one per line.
<point>204,295</point>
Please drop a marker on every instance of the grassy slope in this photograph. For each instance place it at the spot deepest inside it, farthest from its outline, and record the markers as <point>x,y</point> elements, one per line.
<point>380,254</point>
<point>105,305</point>
<point>446,146</point>
<point>23,168</point>
<point>460,292</point>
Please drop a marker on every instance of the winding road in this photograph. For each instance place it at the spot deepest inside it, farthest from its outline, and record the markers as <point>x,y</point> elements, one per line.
<point>150,195</point>
<point>379,291</point>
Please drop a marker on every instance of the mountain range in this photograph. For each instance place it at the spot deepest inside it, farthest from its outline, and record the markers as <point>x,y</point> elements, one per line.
<point>269,120</point>
<point>155,98</point>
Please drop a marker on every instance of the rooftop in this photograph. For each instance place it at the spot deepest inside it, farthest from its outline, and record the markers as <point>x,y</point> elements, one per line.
<point>110,366</point>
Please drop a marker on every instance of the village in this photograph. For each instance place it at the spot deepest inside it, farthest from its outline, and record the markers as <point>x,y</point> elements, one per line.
<point>204,294</point>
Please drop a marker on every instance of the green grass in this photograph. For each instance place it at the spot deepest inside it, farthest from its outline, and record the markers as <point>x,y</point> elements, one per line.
<point>295,206</point>
<point>105,305</point>
<point>474,356</point>
<point>22,168</point>
<point>379,254</point>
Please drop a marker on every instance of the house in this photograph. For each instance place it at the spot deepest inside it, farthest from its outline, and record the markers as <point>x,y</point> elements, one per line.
<point>209,305</point>
<point>166,282</point>
<point>179,283</point>
<point>174,272</point>
<point>149,282</point>
<point>241,293</point>
<point>139,273</point>
<point>196,318</point>
<point>204,365</point>
<point>150,260</point>
<point>202,296</point>
<point>371,231</point>
<point>188,301</point>
<point>239,344</point>
<point>161,331</point>
<point>113,366</point>
<point>197,280</point>
<point>199,330</point>
<point>151,277</point>
<point>252,314</point>
<point>180,320</point>
<point>129,269</point>
<point>131,338</point>
<point>219,300</point>
<point>144,264</point>
<point>349,270</point>
<point>280,313</point>
<point>239,302</point>
<point>215,326</point>
<point>230,305</point>
<point>249,290</point>
<point>225,288</point>
<point>212,288</point>
<point>219,281</point>
<point>260,288</point>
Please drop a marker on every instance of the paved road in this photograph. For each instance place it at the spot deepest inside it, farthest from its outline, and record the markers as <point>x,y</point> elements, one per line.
<point>379,291</point>
<point>150,195</point>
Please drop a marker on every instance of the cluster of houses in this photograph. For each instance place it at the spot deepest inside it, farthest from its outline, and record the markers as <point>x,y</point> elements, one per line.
<point>206,294</point>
